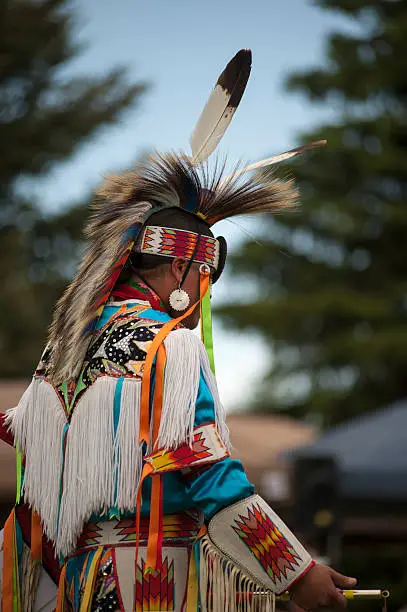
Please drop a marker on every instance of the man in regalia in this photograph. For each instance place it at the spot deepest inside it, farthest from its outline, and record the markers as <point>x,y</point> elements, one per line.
<point>128,497</point>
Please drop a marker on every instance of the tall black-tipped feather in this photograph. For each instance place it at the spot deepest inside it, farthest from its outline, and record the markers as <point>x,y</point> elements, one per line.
<point>221,106</point>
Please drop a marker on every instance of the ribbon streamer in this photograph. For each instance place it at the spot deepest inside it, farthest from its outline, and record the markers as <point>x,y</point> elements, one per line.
<point>206,327</point>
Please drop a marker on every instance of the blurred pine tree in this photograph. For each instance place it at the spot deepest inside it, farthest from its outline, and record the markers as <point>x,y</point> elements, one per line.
<point>45,117</point>
<point>332,275</point>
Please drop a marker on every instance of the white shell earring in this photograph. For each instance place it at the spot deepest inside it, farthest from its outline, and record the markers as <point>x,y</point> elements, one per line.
<point>179,299</point>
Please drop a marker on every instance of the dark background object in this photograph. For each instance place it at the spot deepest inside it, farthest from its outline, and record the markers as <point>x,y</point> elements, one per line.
<point>317,503</point>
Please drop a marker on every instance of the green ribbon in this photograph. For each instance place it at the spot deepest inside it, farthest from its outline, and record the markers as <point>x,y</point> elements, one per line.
<point>206,327</point>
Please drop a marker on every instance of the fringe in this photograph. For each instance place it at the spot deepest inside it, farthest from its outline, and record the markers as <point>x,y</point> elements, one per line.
<point>88,484</point>
<point>127,452</point>
<point>223,586</point>
<point>37,424</point>
<point>220,412</point>
<point>181,384</point>
<point>186,359</point>
<point>102,468</point>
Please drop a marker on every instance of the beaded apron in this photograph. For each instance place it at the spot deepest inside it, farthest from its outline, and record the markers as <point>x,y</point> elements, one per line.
<point>105,562</point>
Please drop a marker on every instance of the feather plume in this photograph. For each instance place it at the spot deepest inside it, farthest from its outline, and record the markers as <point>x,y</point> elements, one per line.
<point>221,106</point>
<point>77,311</point>
<point>172,179</point>
<point>276,159</point>
<point>234,195</point>
<point>123,204</point>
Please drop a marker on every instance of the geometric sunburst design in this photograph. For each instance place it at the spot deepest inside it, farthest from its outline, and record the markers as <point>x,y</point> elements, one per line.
<point>154,591</point>
<point>271,549</point>
<point>206,447</point>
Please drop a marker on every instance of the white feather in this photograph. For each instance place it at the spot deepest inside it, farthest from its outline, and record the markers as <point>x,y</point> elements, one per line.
<point>220,107</point>
<point>211,126</point>
<point>276,159</point>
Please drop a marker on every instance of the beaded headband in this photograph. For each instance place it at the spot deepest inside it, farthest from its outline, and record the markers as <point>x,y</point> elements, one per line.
<point>170,242</point>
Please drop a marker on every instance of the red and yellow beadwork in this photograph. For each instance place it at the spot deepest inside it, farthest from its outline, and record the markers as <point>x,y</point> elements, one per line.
<point>271,549</point>
<point>169,242</point>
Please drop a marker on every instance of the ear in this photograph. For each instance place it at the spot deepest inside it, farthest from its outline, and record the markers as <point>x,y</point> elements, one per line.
<point>178,267</point>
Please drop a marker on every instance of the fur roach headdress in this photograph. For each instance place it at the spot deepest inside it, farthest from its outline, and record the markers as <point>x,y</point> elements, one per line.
<point>124,203</point>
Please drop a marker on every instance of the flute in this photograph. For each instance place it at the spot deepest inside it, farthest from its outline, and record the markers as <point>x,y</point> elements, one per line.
<point>365,594</point>
<point>347,593</point>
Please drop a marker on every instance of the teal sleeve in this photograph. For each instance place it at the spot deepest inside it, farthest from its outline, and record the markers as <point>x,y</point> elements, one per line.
<point>220,484</point>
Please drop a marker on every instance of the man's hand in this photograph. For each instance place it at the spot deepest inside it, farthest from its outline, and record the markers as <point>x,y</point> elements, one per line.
<point>319,588</point>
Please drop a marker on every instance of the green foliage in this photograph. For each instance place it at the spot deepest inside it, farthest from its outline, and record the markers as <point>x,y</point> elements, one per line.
<point>45,118</point>
<point>332,275</point>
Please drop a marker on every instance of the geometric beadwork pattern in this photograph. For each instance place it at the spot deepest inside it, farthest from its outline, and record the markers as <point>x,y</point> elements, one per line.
<point>178,528</point>
<point>271,549</point>
<point>181,527</point>
<point>206,447</point>
<point>154,591</point>
<point>90,535</point>
<point>119,349</point>
<point>169,242</point>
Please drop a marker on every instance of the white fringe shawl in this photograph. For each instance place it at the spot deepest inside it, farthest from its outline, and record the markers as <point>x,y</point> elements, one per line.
<point>221,581</point>
<point>37,424</point>
<point>101,467</point>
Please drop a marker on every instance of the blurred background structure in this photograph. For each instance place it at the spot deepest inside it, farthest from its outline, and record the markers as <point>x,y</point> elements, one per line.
<point>311,320</point>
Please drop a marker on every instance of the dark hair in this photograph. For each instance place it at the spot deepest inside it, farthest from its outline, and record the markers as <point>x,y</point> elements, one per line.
<point>174,218</point>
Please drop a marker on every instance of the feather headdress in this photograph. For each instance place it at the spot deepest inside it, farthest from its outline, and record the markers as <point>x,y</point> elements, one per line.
<point>122,205</point>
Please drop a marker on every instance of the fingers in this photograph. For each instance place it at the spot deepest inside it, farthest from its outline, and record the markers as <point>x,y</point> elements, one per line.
<point>321,587</point>
<point>345,582</point>
<point>338,598</point>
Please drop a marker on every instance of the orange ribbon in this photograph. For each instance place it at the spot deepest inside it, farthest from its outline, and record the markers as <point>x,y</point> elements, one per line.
<point>153,561</point>
<point>158,392</point>
<point>156,491</point>
<point>147,471</point>
<point>154,544</point>
<point>61,591</point>
<point>148,364</point>
<point>8,562</point>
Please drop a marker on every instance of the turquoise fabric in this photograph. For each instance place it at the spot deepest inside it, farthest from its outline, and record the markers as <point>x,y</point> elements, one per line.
<point>155,315</point>
<point>212,488</point>
<point>110,309</point>
<point>219,485</point>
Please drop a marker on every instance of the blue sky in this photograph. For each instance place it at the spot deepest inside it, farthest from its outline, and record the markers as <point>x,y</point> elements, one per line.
<point>180,48</point>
